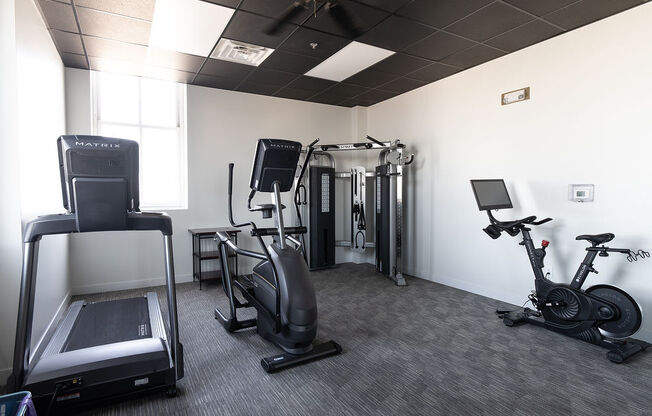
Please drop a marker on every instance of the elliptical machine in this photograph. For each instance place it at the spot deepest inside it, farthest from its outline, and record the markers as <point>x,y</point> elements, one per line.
<point>280,287</point>
<point>603,315</point>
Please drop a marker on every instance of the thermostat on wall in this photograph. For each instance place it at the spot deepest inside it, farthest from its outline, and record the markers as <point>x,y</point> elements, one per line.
<point>581,192</point>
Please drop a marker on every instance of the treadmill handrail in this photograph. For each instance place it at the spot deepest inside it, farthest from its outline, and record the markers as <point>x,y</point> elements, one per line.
<point>67,224</point>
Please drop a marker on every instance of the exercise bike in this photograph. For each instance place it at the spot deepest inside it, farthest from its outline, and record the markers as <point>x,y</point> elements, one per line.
<point>603,315</point>
<point>279,288</point>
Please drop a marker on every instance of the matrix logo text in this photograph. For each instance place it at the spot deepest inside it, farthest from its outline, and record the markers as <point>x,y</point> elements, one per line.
<point>95,144</point>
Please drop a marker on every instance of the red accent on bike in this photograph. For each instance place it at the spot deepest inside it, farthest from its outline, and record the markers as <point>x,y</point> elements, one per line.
<point>545,243</point>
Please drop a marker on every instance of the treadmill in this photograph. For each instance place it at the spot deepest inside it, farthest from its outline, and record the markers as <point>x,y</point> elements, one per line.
<point>105,350</point>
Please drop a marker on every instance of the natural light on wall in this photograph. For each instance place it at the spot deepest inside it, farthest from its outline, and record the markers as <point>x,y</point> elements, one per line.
<point>151,112</point>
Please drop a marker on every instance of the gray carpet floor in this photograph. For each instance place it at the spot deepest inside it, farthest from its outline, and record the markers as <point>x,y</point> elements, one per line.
<point>424,349</point>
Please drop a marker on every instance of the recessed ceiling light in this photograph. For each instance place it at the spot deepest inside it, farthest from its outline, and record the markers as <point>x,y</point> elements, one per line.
<point>241,52</point>
<point>348,61</point>
<point>188,26</point>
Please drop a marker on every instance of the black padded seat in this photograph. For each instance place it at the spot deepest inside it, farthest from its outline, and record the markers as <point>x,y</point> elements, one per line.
<point>596,239</point>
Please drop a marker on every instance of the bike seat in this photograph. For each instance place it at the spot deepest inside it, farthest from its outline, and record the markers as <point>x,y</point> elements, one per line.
<point>596,239</point>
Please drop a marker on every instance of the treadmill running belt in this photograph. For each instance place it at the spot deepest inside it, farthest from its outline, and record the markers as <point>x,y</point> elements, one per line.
<point>109,322</point>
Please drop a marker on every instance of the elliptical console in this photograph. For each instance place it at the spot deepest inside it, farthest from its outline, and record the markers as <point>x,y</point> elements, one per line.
<point>603,315</point>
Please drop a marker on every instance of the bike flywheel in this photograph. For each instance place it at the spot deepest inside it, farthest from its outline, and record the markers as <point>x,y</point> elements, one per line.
<point>630,314</point>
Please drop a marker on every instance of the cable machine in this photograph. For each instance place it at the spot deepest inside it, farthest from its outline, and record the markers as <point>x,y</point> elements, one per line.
<point>315,204</point>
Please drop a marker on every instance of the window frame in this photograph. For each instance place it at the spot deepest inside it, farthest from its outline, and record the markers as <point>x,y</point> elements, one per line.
<point>180,128</point>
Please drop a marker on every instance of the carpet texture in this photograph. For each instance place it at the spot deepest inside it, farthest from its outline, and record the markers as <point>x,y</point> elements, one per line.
<point>424,349</point>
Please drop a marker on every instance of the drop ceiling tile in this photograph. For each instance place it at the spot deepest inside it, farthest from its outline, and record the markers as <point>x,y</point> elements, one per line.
<point>256,88</point>
<point>526,35</point>
<point>439,46</point>
<point>113,49</point>
<point>290,62</point>
<point>115,65</point>
<point>400,64</point>
<point>276,8</point>
<point>396,33</point>
<point>173,60</point>
<point>294,93</point>
<point>473,56</point>
<point>347,90</point>
<point>228,3</point>
<point>327,44</point>
<point>540,7</point>
<point>490,21</point>
<point>265,76</point>
<point>365,18</point>
<point>59,16</point>
<point>389,5</point>
<point>311,84</point>
<point>250,28</point>
<point>67,42</point>
<point>73,60</point>
<point>113,26</point>
<point>352,102</point>
<point>441,13</point>
<point>216,82</point>
<point>225,69</point>
<point>402,85</point>
<point>434,72</point>
<point>371,78</point>
<point>327,98</point>
<point>587,11</point>
<point>168,74</point>
<point>141,9</point>
<point>375,96</point>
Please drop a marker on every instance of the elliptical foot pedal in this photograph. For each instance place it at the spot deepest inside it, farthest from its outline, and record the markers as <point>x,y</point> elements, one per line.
<point>280,362</point>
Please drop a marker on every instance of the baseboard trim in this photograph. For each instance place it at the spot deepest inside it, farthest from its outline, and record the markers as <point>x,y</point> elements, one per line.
<point>126,285</point>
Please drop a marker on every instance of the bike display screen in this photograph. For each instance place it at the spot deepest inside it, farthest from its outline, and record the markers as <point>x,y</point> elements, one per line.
<point>491,194</point>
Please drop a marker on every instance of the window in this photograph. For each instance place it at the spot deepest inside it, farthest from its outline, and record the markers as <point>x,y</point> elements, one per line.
<point>153,113</point>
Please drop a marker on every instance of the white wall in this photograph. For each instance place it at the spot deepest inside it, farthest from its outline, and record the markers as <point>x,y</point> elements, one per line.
<point>223,127</point>
<point>29,152</point>
<point>587,122</point>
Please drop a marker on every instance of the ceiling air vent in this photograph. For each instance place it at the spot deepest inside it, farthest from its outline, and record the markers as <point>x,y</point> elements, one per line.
<point>240,52</point>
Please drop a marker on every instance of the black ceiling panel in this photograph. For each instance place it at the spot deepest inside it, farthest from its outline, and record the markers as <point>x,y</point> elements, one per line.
<point>273,77</point>
<point>250,28</point>
<point>113,26</point>
<point>275,9</point>
<point>473,56</point>
<point>396,33</point>
<point>389,5</point>
<point>256,88</point>
<point>364,16</point>
<point>294,93</point>
<point>290,62</point>
<point>327,98</point>
<point>347,90</point>
<point>174,60</point>
<point>370,78</point>
<point>587,11</point>
<point>224,69</point>
<point>74,60</point>
<point>526,35</point>
<point>434,72</point>
<point>311,84</point>
<point>375,96</point>
<point>216,82</point>
<point>490,21</point>
<point>439,46</point>
<point>400,64</point>
<point>113,49</point>
<point>327,44</point>
<point>141,9</point>
<point>441,13</point>
<point>540,7</point>
<point>402,85</point>
<point>67,42</point>
<point>59,16</point>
